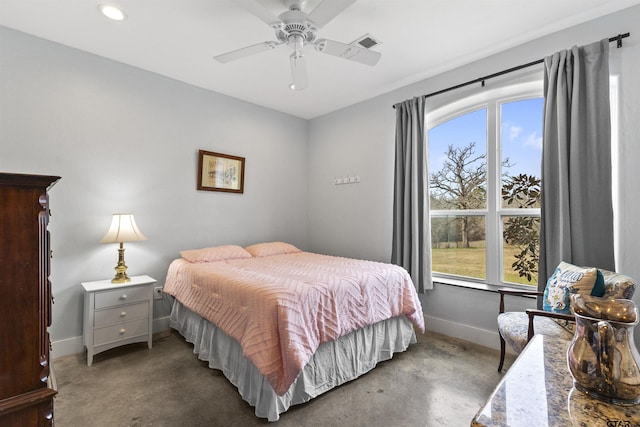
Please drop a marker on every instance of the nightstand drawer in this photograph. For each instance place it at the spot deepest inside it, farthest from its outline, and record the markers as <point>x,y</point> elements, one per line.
<point>121,314</point>
<point>121,296</point>
<point>120,332</point>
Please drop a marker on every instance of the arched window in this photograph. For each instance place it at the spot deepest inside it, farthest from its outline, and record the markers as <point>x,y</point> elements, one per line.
<point>485,156</point>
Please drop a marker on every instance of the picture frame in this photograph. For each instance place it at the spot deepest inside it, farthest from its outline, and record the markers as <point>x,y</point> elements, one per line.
<point>220,172</point>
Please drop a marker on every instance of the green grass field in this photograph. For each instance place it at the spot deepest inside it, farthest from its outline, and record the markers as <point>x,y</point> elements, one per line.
<point>471,262</point>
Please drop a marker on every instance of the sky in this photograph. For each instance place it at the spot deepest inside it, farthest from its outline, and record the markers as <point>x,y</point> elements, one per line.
<point>521,136</point>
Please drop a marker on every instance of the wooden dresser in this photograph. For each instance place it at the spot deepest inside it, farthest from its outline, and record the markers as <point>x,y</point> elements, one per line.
<point>25,292</point>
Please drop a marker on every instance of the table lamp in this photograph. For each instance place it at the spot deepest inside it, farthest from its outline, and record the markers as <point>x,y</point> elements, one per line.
<point>123,229</point>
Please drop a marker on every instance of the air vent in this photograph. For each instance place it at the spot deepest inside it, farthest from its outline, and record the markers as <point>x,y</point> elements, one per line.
<point>367,41</point>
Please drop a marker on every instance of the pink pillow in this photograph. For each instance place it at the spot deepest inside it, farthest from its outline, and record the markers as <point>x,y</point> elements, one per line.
<point>218,253</point>
<point>272,248</point>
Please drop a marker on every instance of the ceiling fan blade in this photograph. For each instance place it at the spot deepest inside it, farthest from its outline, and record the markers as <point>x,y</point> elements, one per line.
<point>348,51</point>
<point>261,12</point>
<point>246,51</point>
<point>298,72</point>
<point>327,10</point>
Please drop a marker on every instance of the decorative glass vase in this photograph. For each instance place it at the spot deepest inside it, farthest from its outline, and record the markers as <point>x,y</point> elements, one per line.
<point>602,356</point>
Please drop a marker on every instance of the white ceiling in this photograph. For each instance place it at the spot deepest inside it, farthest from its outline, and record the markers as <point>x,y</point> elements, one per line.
<point>419,38</point>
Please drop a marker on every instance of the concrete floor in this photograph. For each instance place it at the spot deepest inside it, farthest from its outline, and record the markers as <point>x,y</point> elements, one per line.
<point>438,382</point>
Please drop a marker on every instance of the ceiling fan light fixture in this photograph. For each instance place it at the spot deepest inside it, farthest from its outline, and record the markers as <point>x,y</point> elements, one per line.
<point>112,12</point>
<point>297,29</point>
<point>296,41</point>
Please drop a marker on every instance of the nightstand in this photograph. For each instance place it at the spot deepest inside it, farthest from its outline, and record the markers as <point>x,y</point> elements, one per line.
<point>116,314</point>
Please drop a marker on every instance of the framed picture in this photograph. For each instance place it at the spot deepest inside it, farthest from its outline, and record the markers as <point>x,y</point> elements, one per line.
<point>220,172</point>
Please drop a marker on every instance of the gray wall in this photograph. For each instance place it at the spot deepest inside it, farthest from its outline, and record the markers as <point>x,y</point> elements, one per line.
<point>126,140</point>
<point>355,220</point>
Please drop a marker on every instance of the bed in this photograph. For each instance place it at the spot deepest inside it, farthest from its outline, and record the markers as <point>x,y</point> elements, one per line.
<point>285,326</point>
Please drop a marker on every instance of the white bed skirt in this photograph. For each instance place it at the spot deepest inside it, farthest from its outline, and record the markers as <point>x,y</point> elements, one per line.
<point>331,365</point>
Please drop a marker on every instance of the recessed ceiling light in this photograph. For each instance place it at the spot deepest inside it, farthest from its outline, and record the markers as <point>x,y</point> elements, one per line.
<point>112,12</point>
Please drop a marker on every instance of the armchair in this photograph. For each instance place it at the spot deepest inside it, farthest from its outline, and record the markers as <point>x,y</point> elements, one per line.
<point>517,328</point>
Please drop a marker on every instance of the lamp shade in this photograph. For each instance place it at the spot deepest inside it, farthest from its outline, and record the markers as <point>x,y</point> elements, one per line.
<point>123,229</point>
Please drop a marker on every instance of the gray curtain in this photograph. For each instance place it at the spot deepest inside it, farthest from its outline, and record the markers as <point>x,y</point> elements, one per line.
<point>576,209</point>
<point>411,227</point>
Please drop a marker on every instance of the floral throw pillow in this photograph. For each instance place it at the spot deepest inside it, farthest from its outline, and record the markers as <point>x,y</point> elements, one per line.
<point>567,279</point>
<point>618,285</point>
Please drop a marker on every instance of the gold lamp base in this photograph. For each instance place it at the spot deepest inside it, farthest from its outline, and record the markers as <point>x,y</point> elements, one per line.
<point>121,268</point>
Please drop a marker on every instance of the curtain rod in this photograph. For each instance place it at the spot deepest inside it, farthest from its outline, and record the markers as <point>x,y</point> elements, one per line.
<point>617,39</point>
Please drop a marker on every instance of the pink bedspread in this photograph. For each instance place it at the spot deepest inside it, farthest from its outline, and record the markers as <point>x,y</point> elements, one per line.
<point>281,308</point>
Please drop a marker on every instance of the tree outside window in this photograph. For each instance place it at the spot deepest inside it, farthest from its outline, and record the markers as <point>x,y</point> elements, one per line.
<point>484,189</point>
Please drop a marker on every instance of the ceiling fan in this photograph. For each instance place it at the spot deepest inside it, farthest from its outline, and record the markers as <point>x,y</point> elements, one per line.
<point>297,29</point>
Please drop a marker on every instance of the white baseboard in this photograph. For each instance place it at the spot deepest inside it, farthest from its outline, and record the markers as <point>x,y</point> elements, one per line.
<point>160,324</point>
<point>75,345</point>
<point>66,347</point>
<point>461,331</point>
<point>442,326</point>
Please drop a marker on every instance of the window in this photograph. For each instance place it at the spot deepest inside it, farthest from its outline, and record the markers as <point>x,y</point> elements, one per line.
<point>484,186</point>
